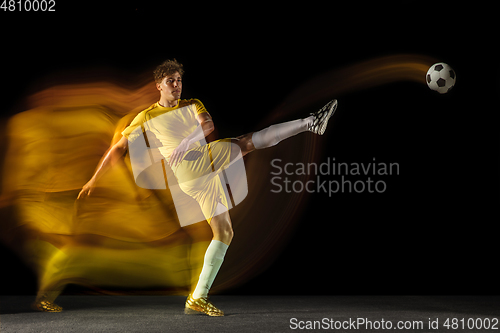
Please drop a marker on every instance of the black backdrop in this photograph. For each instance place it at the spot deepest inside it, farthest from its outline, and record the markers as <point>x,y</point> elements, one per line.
<point>432,231</point>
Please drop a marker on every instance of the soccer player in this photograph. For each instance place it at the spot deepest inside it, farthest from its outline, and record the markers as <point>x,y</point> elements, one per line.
<point>183,124</point>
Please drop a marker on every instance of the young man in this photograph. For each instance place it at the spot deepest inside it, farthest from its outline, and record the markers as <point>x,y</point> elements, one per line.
<point>179,125</point>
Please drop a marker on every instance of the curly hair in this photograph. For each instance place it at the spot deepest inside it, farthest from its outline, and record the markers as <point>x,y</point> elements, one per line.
<point>168,67</point>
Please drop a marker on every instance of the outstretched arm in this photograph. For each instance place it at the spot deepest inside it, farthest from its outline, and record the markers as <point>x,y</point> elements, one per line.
<point>110,158</point>
<point>203,130</point>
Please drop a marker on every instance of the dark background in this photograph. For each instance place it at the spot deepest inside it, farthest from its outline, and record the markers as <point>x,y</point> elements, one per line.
<point>434,231</point>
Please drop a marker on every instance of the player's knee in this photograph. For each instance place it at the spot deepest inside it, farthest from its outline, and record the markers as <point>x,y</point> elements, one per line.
<point>225,235</point>
<point>227,230</point>
<point>222,229</point>
<point>244,143</point>
<point>231,231</point>
<point>229,234</point>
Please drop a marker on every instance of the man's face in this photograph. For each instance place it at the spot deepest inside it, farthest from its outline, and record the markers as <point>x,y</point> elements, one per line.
<point>171,86</point>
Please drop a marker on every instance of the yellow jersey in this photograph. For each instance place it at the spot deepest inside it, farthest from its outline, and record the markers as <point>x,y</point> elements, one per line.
<point>166,127</point>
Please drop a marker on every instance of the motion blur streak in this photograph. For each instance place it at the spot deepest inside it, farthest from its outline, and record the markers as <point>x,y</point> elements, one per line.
<point>125,238</point>
<point>358,76</point>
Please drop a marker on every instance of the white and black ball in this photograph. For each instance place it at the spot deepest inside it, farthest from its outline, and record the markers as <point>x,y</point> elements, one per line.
<point>441,77</point>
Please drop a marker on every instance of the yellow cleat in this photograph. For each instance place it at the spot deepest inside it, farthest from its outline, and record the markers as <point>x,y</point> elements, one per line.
<point>44,305</point>
<point>202,305</point>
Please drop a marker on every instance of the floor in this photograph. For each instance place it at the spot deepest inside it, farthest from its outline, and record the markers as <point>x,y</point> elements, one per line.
<point>255,314</point>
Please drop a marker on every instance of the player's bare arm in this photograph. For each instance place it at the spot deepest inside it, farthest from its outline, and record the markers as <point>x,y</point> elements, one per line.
<point>110,158</point>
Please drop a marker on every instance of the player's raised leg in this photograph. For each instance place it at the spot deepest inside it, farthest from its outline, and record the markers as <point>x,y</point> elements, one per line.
<point>272,135</point>
<point>220,223</point>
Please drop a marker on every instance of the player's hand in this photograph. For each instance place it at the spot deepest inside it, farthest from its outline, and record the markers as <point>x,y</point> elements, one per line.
<point>87,189</point>
<point>179,152</point>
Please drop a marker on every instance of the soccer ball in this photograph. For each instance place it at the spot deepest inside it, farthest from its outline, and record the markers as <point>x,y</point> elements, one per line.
<point>440,77</point>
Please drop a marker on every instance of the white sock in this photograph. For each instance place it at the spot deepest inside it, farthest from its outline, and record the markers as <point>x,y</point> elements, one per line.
<point>211,265</point>
<point>272,135</point>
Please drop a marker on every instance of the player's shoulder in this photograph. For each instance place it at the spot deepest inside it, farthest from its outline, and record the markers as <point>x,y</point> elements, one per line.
<point>191,101</point>
<point>150,108</point>
<point>196,105</point>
